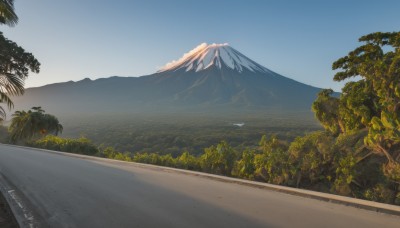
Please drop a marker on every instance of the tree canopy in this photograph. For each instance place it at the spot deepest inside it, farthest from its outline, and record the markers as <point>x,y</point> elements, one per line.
<point>374,101</point>
<point>32,124</point>
<point>15,62</point>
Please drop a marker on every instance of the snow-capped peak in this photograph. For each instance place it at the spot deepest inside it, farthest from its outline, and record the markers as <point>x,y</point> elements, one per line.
<point>207,55</point>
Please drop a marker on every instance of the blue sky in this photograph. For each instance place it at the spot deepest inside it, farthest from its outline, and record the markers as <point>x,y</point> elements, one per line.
<point>75,39</point>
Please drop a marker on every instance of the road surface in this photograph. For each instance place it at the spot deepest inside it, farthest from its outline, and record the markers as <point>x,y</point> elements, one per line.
<point>66,191</point>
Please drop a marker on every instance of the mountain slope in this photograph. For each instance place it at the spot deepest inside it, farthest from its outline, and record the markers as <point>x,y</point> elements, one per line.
<point>209,78</point>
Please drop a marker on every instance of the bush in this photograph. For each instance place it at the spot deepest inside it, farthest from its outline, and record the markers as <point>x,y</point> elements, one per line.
<point>78,146</point>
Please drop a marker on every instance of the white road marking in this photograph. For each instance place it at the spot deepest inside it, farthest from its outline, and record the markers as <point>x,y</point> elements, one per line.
<point>27,214</point>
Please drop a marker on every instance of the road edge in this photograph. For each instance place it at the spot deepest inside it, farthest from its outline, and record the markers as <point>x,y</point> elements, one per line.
<point>343,200</point>
<point>20,207</point>
<point>7,209</point>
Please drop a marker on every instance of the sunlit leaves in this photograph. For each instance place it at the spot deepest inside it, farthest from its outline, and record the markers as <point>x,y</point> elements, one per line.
<point>377,107</point>
<point>219,159</point>
<point>326,109</point>
<point>80,146</point>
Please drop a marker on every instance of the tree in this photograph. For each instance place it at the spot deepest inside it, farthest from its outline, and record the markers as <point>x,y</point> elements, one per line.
<point>357,106</point>
<point>219,159</point>
<point>7,13</point>
<point>80,146</point>
<point>32,124</point>
<point>326,111</point>
<point>379,69</point>
<point>187,161</point>
<point>271,164</point>
<point>15,65</point>
<point>311,158</point>
<point>245,167</point>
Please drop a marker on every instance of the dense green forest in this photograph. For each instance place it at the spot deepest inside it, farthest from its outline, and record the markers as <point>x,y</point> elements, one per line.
<point>174,134</point>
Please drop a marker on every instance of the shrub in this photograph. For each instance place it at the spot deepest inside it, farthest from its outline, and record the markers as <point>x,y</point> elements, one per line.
<point>78,146</point>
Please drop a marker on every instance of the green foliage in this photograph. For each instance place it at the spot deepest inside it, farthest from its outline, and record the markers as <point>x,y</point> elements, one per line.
<point>311,158</point>
<point>345,174</point>
<point>15,65</point>
<point>141,157</point>
<point>34,123</point>
<point>78,146</point>
<point>357,105</point>
<point>377,96</point>
<point>325,108</point>
<point>155,159</point>
<point>173,135</point>
<point>219,159</point>
<point>168,160</point>
<point>188,161</point>
<point>245,167</point>
<point>365,120</point>
<point>271,164</point>
<point>110,152</point>
<point>10,83</point>
<point>381,193</point>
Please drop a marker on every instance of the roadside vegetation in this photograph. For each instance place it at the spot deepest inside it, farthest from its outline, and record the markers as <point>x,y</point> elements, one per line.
<point>79,146</point>
<point>318,161</point>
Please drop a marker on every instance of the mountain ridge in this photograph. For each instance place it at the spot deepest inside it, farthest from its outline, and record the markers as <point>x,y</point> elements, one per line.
<point>204,79</point>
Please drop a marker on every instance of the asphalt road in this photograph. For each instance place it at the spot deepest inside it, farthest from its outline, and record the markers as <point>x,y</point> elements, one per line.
<point>67,191</point>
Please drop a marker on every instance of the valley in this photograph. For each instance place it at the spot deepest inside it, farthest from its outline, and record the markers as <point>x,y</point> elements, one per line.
<point>175,133</point>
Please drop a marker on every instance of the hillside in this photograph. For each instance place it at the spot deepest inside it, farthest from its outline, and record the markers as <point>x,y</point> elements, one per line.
<point>211,79</point>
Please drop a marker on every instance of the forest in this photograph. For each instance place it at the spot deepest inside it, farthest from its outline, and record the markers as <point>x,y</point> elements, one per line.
<point>173,134</point>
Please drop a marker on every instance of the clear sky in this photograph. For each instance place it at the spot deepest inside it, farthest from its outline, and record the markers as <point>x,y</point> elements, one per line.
<point>299,39</point>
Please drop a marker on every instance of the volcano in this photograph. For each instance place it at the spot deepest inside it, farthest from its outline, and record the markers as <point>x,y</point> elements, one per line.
<point>209,78</point>
<point>214,55</point>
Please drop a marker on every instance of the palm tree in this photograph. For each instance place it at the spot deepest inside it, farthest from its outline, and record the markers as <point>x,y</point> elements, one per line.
<point>15,63</point>
<point>7,13</point>
<point>20,125</point>
<point>33,124</point>
<point>10,85</point>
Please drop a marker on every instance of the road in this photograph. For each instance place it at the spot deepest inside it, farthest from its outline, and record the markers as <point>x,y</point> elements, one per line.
<point>67,191</point>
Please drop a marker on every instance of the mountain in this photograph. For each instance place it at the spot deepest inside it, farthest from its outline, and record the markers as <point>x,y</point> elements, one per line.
<point>213,78</point>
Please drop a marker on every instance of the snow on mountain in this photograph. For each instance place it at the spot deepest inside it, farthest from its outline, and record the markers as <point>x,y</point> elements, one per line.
<point>219,55</point>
